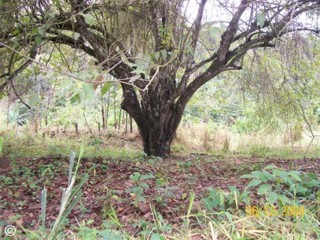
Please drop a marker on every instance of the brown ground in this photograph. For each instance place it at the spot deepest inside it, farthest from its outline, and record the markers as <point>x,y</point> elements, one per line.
<point>175,178</point>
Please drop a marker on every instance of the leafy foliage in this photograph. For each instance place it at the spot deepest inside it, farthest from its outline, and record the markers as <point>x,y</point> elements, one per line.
<point>284,187</point>
<point>139,186</point>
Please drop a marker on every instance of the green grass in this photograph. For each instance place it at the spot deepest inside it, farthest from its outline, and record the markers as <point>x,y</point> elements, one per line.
<point>36,146</point>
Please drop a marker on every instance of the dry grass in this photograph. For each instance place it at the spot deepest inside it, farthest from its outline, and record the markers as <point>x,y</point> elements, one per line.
<point>205,138</point>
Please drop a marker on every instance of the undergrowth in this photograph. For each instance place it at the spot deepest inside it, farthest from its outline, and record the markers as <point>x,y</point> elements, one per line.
<point>273,204</point>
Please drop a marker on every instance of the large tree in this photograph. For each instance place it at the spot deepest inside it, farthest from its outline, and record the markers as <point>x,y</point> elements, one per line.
<point>150,46</point>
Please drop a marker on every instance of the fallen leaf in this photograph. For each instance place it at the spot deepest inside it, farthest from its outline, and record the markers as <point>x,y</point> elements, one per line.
<point>144,207</point>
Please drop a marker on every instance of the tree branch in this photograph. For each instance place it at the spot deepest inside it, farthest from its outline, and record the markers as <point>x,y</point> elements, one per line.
<point>228,36</point>
<point>33,53</point>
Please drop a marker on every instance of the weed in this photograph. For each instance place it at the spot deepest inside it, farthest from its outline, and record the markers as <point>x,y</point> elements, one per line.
<point>96,142</point>
<point>279,186</point>
<point>220,200</point>
<point>185,164</point>
<point>139,185</point>
<point>165,193</point>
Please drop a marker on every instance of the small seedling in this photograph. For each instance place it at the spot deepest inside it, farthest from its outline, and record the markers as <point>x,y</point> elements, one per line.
<point>139,186</point>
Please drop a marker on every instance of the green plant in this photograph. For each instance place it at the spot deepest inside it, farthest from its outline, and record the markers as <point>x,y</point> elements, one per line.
<point>20,115</point>
<point>112,216</point>
<point>215,199</point>
<point>46,170</point>
<point>161,225</point>
<point>7,180</point>
<point>185,164</point>
<point>220,200</point>
<point>70,197</point>
<point>86,232</point>
<point>164,193</point>
<point>139,185</point>
<point>156,229</point>
<point>96,141</point>
<point>282,187</point>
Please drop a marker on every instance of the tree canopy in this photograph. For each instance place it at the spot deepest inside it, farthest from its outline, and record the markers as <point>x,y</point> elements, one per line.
<point>158,55</point>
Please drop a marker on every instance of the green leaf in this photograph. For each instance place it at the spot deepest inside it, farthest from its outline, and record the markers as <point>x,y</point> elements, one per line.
<point>38,39</point>
<point>229,216</point>
<point>272,197</point>
<point>157,236</point>
<point>284,177</point>
<point>25,19</point>
<point>105,88</point>
<point>135,176</point>
<point>164,54</point>
<point>157,56</point>
<point>261,18</point>
<point>271,166</point>
<point>144,185</point>
<point>141,66</point>
<point>56,2</point>
<point>43,206</point>
<point>312,183</point>
<point>233,190</point>
<point>264,189</point>
<point>33,99</point>
<point>41,31</point>
<point>260,175</point>
<point>212,203</point>
<point>88,92</point>
<point>89,19</point>
<point>16,32</point>
<point>66,84</point>
<point>247,176</point>
<point>301,189</point>
<point>268,175</point>
<point>141,199</point>
<point>147,176</point>
<point>214,32</point>
<point>223,27</point>
<point>295,175</point>
<point>283,199</point>
<point>254,182</point>
<point>136,190</point>
<point>75,98</point>
<point>111,234</point>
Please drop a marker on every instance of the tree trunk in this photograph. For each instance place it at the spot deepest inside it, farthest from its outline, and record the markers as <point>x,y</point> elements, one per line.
<point>77,128</point>
<point>107,110</point>
<point>157,120</point>
<point>131,125</point>
<point>126,123</point>
<point>119,119</point>
<point>115,112</point>
<point>156,144</point>
<point>103,115</point>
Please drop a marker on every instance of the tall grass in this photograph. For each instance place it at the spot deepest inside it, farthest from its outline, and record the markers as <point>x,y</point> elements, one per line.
<point>222,139</point>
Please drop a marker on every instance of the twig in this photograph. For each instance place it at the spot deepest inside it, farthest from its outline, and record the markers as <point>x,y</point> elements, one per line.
<point>90,130</point>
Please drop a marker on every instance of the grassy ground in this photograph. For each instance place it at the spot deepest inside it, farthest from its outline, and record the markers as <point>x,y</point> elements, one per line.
<point>130,196</point>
